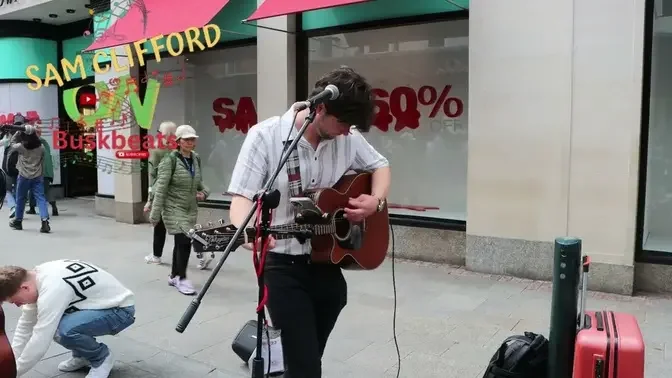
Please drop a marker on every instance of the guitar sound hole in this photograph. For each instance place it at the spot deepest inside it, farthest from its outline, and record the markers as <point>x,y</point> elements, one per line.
<point>342,225</point>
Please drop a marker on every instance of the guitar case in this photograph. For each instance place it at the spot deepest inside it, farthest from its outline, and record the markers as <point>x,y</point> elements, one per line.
<point>7,361</point>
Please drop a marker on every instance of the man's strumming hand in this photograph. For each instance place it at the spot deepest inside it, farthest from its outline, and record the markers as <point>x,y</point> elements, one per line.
<point>361,207</point>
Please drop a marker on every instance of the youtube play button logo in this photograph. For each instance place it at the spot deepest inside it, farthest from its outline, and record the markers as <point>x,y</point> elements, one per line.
<point>87,99</point>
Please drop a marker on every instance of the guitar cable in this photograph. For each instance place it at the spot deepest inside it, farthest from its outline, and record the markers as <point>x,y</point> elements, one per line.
<point>259,265</point>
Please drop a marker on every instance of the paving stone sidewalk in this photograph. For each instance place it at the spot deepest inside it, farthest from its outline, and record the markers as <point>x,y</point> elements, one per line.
<point>449,321</point>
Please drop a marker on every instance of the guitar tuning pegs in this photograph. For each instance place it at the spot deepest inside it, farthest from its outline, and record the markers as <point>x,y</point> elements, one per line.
<point>198,226</point>
<point>209,224</point>
<point>221,222</point>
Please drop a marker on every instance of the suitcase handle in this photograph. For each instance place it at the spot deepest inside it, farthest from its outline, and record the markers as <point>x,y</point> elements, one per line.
<point>585,268</point>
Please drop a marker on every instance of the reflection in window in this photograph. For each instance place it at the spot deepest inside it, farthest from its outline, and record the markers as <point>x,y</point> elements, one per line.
<point>221,107</point>
<point>420,74</point>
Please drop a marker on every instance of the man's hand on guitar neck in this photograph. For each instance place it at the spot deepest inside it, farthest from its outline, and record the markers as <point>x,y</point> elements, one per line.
<point>240,206</point>
<point>271,244</point>
<point>362,207</point>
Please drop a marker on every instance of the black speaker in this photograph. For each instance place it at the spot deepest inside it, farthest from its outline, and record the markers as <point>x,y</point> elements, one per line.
<point>246,341</point>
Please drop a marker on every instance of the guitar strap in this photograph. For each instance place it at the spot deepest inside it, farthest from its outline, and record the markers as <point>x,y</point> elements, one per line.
<point>293,171</point>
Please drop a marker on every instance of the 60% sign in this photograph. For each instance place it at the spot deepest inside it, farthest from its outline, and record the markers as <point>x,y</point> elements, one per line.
<point>406,113</point>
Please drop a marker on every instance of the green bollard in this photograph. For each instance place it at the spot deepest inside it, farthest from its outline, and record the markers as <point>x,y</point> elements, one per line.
<point>564,307</point>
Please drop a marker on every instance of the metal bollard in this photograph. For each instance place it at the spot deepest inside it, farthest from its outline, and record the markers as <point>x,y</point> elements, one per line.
<point>562,337</point>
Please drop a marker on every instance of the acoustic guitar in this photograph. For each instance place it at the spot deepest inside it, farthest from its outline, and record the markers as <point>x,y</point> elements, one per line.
<point>7,362</point>
<point>319,217</point>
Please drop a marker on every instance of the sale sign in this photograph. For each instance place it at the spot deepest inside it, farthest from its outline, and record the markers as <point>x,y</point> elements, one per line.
<point>231,115</point>
<point>401,107</point>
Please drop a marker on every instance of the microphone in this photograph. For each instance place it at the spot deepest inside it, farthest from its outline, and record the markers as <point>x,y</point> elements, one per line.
<point>28,129</point>
<point>329,93</point>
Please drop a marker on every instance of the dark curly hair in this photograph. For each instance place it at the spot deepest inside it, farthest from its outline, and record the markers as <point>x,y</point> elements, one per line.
<point>30,141</point>
<point>355,105</point>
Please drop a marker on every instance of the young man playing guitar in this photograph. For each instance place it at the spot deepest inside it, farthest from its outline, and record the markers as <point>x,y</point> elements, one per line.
<point>304,299</point>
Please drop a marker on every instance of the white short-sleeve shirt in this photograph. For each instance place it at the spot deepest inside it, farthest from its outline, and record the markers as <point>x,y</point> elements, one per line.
<point>320,168</point>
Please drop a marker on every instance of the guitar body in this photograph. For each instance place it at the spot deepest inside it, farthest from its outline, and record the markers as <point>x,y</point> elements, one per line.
<point>7,362</point>
<point>375,230</point>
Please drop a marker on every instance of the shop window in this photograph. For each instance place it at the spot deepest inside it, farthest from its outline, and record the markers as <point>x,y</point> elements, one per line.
<point>658,211</point>
<point>218,99</point>
<point>420,74</point>
<point>42,104</point>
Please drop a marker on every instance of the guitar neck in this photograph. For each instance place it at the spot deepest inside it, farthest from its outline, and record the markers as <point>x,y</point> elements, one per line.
<point>289,231</point>
<point>222,235</point>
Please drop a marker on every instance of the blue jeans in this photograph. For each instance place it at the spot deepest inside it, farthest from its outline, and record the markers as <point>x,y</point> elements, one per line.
<point>77,331</point>
<point>11,191</point>
<point>36,185</point>
<point>11,202</point>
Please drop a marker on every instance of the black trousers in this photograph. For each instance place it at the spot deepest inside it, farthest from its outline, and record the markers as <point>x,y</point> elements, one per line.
<point>159,238</point>
<point>181,252</point>
<point>304,302</point>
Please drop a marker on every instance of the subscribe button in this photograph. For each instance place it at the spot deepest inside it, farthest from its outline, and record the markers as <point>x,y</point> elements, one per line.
<point>132,154</point>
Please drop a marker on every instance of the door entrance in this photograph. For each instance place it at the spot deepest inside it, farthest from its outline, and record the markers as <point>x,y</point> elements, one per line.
<point>78,160</point>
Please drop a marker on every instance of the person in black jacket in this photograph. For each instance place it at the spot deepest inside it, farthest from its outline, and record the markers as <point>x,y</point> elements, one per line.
<point>9,161</point>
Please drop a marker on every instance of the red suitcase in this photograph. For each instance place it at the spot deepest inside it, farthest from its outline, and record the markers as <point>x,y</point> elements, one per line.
<point>609,344</point>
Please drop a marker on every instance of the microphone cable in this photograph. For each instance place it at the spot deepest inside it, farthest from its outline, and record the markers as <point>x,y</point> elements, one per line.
<point>394,310</point>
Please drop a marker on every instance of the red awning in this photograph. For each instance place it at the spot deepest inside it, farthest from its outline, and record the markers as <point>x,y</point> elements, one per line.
<point>149,18</point>
<point>273,8</point>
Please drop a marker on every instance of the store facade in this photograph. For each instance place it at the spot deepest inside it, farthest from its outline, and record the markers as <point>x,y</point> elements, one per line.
<point>505,127</point>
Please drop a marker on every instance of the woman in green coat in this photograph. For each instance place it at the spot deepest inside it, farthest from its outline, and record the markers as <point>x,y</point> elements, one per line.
<point>178,188</point>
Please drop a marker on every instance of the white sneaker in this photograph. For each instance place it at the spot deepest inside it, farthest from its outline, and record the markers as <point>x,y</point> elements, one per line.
<point>73,364</point>
<point>102,371</point>
<point>204,262</point>
<point>151,259</point>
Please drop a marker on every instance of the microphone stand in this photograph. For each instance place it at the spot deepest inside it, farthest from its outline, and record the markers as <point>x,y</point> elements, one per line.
<point>270,199</point>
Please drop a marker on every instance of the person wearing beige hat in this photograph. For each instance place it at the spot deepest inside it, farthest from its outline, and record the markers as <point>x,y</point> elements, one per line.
<point>178,188</point>
<point>166,128</point>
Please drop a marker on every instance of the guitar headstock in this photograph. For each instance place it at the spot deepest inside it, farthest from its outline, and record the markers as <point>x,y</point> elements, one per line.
<point>215,238</point>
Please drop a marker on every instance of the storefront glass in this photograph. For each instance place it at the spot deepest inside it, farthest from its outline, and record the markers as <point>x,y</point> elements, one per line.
<point>658,212</point>
<point>42,104</point>
<point>420,74</point>
<point>217,99</point>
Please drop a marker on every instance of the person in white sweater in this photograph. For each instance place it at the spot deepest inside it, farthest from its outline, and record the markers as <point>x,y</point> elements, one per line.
<point>71,302</point>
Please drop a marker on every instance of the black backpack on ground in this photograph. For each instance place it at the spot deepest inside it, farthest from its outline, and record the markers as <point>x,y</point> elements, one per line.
<point>520,356</point>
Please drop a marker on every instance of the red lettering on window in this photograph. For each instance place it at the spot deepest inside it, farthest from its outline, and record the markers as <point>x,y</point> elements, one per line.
<point>402,106</point>
<point>382,118</point>
<point>408,115</point>
<point>242,118</point>
<point>7,119</point>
